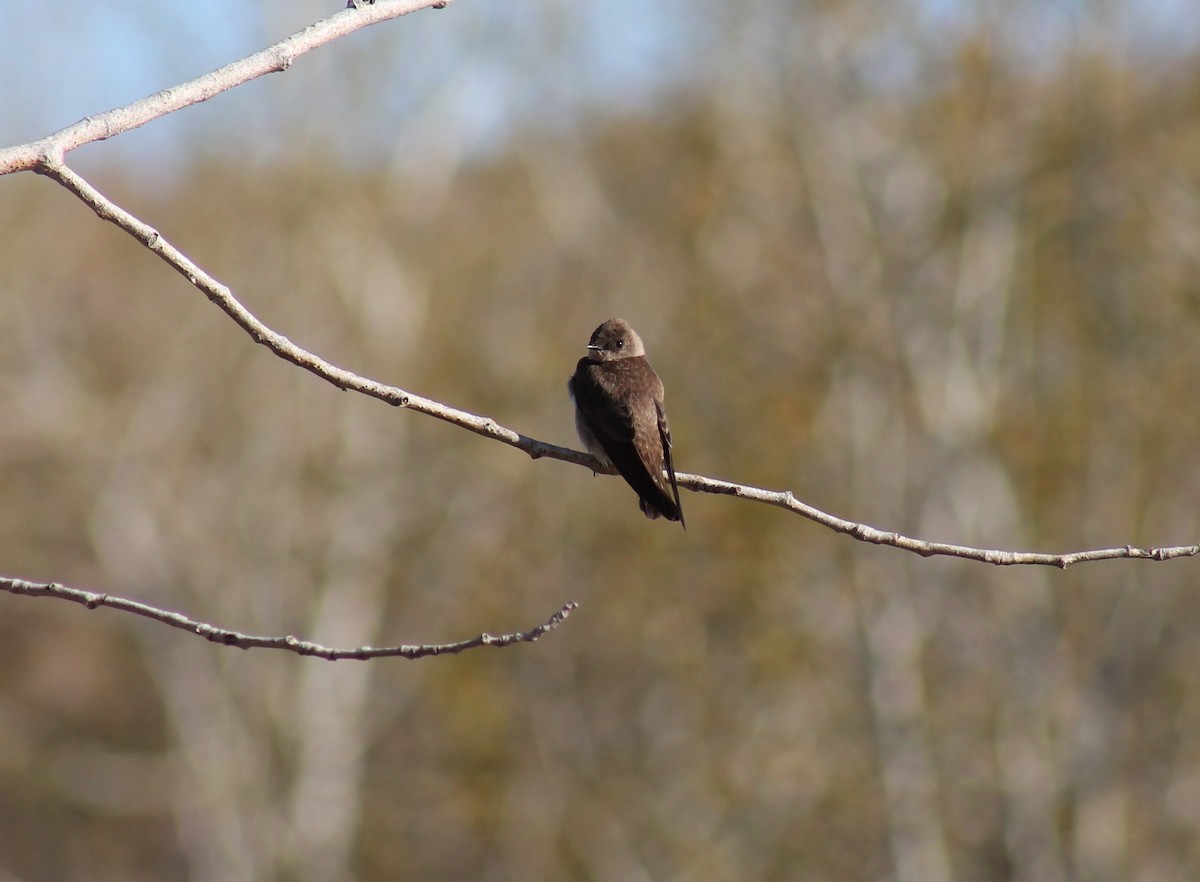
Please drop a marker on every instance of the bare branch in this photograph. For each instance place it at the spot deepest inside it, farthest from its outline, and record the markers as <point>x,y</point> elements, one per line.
<point>489,428</point>
<point>47,157</point>
<point>864,533</point>
<point>225,637</point>
<point>279,57</point>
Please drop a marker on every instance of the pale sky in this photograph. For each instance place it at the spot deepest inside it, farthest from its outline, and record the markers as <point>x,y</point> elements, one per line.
<point>480,64</point>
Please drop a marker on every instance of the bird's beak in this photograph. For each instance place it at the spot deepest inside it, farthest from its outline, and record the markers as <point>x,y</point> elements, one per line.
<point>594,352</point>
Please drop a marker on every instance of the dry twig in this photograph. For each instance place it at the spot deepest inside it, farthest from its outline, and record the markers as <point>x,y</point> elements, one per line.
<point>93,599</point>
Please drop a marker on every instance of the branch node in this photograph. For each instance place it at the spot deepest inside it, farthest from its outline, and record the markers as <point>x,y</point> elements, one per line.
<point>48,163</point>
<point>217,635</point>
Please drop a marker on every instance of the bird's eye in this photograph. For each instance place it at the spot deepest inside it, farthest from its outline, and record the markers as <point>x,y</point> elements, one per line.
<point>620,344</point>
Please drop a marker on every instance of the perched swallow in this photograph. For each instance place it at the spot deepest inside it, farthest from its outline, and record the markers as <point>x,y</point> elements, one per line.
<point>620,417</point>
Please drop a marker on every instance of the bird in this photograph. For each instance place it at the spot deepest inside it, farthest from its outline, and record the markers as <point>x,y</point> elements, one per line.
<point>621,419</point>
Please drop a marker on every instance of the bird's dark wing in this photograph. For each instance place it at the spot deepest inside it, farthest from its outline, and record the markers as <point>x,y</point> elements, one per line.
<point>664,433</point>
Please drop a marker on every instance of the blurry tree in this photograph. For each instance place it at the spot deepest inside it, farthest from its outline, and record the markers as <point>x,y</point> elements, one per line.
<point>930,267</point>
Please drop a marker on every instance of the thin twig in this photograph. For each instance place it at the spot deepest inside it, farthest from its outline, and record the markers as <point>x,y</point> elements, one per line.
<point>786,499</point>
<point>225,637</point>
<point>219,294</point>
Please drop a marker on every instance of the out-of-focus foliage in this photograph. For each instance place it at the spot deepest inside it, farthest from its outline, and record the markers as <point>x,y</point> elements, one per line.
<point>954,297</point>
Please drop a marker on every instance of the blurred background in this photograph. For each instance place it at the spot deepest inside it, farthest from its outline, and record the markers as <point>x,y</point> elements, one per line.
<point>931,265</point>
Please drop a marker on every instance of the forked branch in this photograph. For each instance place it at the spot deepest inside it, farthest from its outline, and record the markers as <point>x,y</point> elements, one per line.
<point>273,59</point>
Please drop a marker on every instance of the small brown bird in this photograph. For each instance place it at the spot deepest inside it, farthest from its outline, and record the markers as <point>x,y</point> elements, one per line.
<point>620,417</point>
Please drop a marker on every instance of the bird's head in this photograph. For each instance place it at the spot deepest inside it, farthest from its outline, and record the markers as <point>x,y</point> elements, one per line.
<point>614,339</point>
